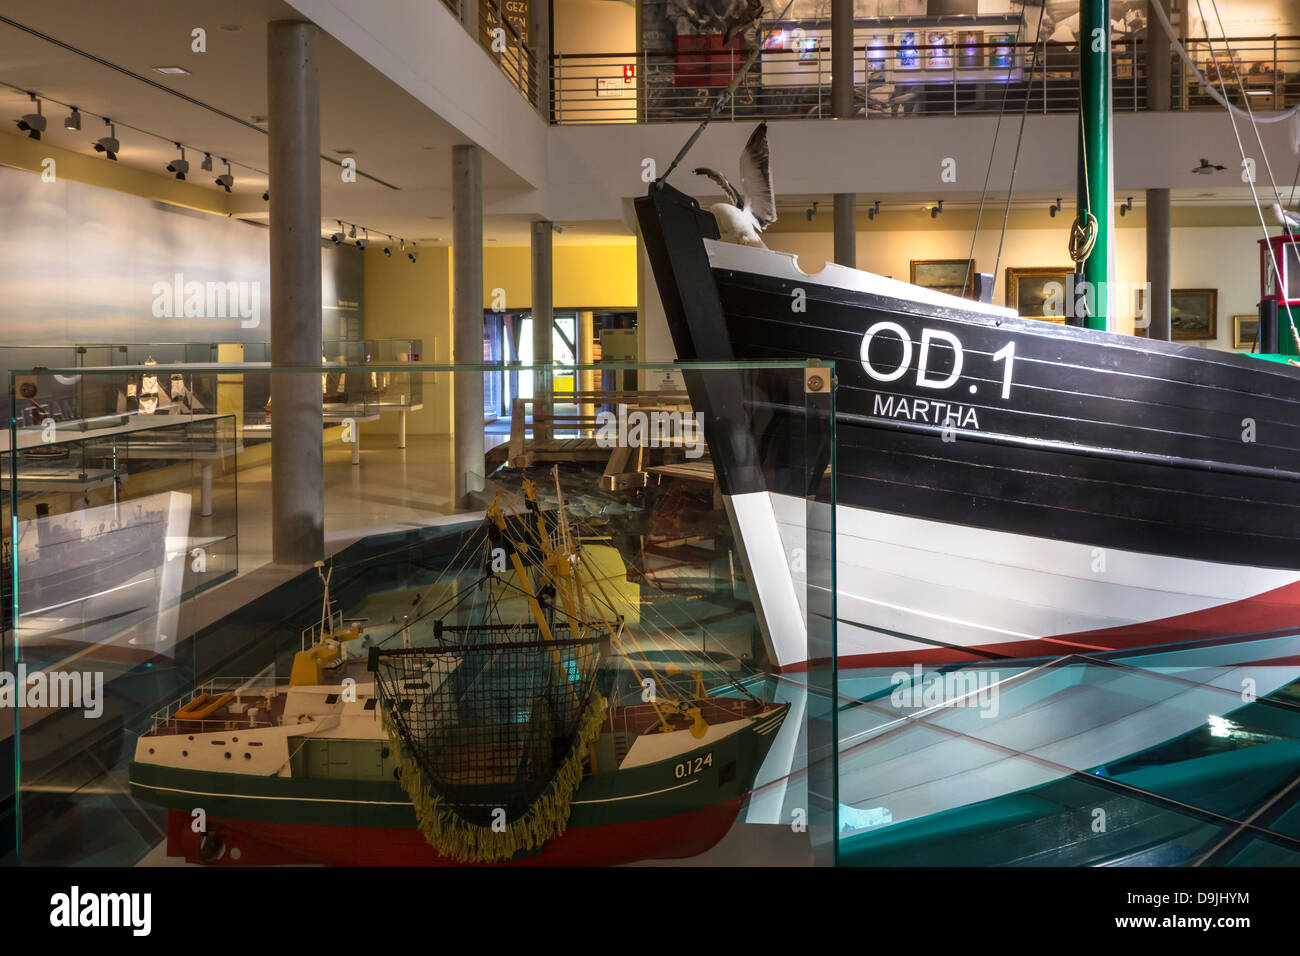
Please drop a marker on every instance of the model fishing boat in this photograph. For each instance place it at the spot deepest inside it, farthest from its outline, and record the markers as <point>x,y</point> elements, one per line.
<point>506,739</point>
<point>1007,487</point>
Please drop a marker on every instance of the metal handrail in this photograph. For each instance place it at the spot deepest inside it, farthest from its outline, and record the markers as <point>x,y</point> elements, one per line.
<point>901,80</point>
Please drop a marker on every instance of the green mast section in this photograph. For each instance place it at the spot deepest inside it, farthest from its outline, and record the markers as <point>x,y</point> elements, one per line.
<point>1094,175</point>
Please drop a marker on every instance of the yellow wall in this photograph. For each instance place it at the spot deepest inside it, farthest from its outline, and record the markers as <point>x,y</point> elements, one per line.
<point>413,300</point>
<point>95,170</point>
<point>585,277</point>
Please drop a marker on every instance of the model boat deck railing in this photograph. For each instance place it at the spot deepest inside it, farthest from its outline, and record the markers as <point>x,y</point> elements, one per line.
<point>165,721</point>
<point>910,80</point>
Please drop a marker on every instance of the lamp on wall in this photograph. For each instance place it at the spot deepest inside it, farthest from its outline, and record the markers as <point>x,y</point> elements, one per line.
<point>109,145</point>
<point>874,211</point>
<point>33,124</point>
<point>1125,206</point>
<point>179,166</point>
<point>1054,208</point>
<point>227,179</point>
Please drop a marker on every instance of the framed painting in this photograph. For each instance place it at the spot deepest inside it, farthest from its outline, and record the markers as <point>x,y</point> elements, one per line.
<point>970,54</point>
<point>945,275</point>
<point>1245,330</point>
<point>909,57</point>
<point>1038,292</point>
<point>1193,314</point>
<point>938,50</point>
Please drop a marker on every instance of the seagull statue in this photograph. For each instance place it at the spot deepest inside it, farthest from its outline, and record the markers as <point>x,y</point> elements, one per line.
<point>1288,220</point>
<point>753,208</point>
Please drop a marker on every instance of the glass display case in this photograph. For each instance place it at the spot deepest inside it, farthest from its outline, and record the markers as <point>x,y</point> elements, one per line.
<point>487,665</point>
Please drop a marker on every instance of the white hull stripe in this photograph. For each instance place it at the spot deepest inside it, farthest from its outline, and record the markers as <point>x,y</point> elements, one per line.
<point>959,586</point>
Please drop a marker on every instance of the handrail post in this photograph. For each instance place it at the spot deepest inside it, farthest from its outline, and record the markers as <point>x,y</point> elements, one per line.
<point>1276,105</point>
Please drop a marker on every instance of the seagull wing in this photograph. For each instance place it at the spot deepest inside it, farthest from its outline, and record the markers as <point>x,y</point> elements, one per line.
<point>729,190</point>
<point>756,177</point>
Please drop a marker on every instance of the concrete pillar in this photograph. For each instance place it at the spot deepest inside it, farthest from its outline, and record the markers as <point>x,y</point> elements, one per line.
<point>843,107</point>
<point>1159,52</point>
<point>1158,277</point>
<point>846,229</point>
<point>543,323</point>
<point>293,147</point>
<point>467,316</point>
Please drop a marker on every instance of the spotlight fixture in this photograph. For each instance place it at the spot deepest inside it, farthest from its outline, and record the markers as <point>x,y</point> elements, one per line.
<point>352,232</point>
<point>266,196</point>
<point>1054,208</point>
<point>557,227</point>
<point>936,209</point>
<point>411,255</point>
<point>179,166</point>
<point>873,212</point>
<point>206,165</point>
<point>108,145</point>
<point>73,120</point>
<point>337,238</point>
<point>1125,206</point>
<point>33,124</point>
<point>1207,167</point>
<point>388,249</point>
<point>811,211</point>
<point>227,179</point>
<point>362,243</point>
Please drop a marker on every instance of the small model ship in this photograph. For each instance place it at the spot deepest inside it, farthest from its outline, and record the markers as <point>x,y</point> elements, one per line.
<point>505,740</point>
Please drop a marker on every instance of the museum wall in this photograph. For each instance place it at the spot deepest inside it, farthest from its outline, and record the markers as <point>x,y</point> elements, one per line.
<point>405,300</point>
<point>593,26</point>
<point>91,264</point>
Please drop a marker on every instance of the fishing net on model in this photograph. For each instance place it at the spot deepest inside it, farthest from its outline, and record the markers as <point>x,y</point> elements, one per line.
<point>491,725</point>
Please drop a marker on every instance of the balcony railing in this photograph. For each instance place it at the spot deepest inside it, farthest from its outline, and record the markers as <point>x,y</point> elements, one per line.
<point>972,79</point>
<point>501,34</point>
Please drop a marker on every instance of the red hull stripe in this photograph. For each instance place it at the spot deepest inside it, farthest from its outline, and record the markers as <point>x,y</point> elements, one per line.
<point>1276,610</point>
<point>270,844</point>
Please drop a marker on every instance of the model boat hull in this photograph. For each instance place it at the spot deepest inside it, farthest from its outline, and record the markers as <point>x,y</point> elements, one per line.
<point>667,809</point>
<point>1006,487</point>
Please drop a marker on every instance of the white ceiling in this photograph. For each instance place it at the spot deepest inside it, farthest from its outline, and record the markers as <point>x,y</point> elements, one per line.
<point>396,139</point>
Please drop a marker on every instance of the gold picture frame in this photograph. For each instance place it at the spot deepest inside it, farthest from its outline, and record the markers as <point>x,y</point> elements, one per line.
<point>1245,329</point>
<point>1026,290</point>
<point>1193,315</point>
<point>944,275</point>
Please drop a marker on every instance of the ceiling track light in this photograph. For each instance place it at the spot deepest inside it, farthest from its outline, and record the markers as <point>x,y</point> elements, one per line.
<point>873,212</point>
<point>337,238</point>
<point>936,209</point>
<point>109,145</point>
<point>206,165</point>
<point>352,232</point>
<point>362,243</point>
<point>33,124</point>
<point>1125,206</point>
<point>179,166</point>
<point>412,254</point>
<point>73,120</point>
<point>388,249</point>
<point>1054,208</point>
<point>227,179</point>
<point>811,211</point>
